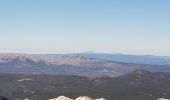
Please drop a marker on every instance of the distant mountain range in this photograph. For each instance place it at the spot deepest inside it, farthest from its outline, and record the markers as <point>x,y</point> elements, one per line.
<point>83,64</point>
<point>138,59</point>
<point>44,76</point>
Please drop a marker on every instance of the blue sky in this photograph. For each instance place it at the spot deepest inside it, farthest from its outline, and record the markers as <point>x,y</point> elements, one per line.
<point>63,26</point>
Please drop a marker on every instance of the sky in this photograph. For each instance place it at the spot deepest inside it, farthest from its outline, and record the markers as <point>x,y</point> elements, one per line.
<point>66,26</point>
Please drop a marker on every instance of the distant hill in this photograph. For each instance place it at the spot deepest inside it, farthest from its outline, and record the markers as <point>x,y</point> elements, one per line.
<point>138,59</point>
<point>137,85</point>
<point>71,64</point>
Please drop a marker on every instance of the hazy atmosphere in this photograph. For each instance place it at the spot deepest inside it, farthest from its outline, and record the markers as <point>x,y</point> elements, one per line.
<point>84,50</point>
<point>64,26</point>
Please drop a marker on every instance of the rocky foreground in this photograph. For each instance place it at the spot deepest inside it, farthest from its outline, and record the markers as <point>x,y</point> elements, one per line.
<point>78,98</point>
<point>63,98</point>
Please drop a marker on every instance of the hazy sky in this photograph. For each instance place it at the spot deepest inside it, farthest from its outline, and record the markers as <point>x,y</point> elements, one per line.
<point>59,26</point>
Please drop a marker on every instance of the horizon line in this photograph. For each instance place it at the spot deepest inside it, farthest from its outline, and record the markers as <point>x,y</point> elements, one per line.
<point>85,52</point>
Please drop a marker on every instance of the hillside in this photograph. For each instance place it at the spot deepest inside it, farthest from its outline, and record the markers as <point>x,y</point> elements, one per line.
<point>137,85</point>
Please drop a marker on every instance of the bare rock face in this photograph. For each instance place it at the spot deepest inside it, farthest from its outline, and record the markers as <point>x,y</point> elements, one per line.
<point>84,98</point>
<point>61,98</point>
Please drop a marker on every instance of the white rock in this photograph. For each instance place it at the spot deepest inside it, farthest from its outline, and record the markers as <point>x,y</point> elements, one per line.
<point>61,98</point>
<point>100,99</point>
<point>84,98</point>
<point>163,99</point>
<point>26,99</point>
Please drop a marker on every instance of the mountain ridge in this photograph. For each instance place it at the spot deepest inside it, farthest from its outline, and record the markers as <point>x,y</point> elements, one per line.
<point>128,58</point>
<point>146,86</point>
<point>70,64</point>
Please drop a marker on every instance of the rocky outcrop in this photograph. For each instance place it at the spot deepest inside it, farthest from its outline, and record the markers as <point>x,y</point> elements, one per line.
<point>163,99</point>
<point>26,99</point>
<point>84,98</point>
<point>100,99</point>
<point>79,98</point>
<point>61,98</point>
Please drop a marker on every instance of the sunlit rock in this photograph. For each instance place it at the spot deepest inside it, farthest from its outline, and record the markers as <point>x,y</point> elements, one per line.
<point>163,99</point>
<point>61,98</point>
<point>100,99</point>
<point>26,99</point>
<point>84,98</point>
